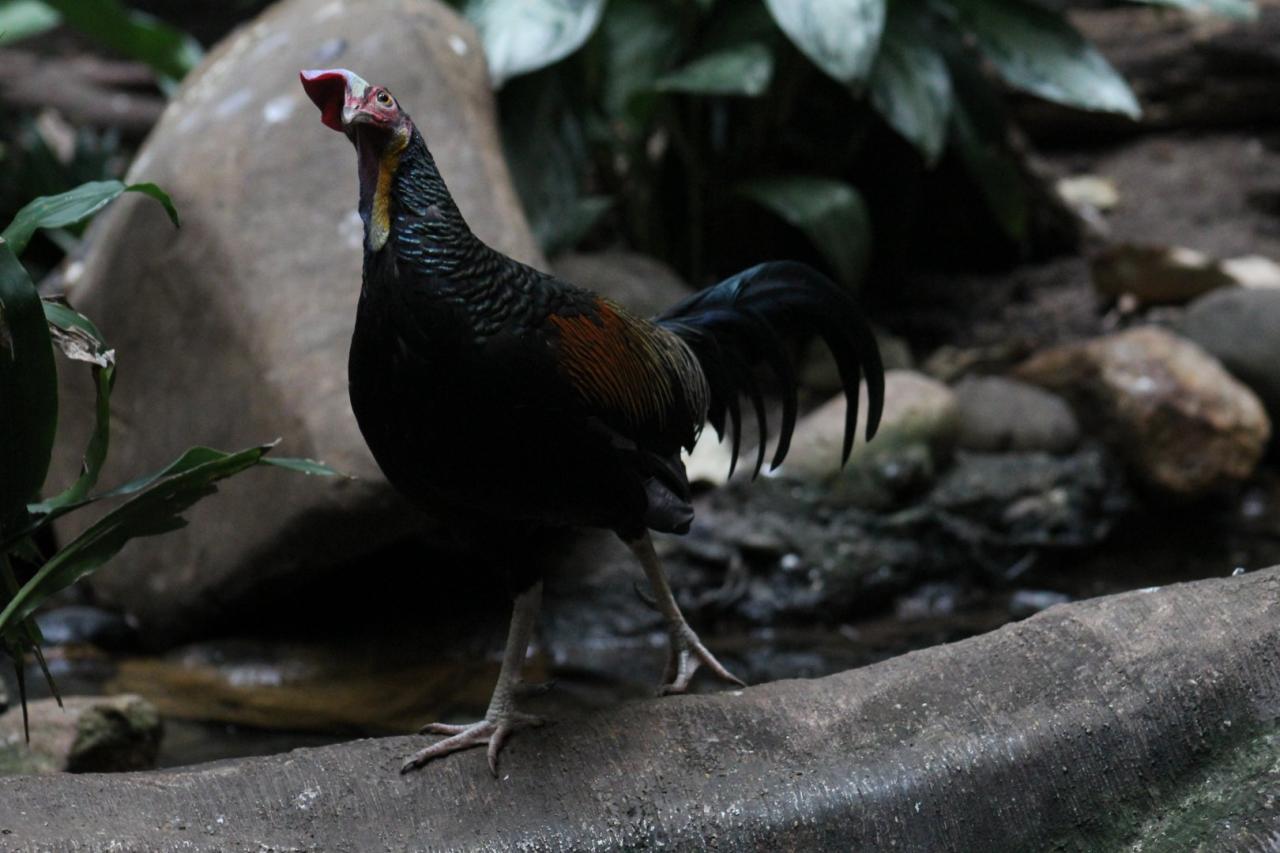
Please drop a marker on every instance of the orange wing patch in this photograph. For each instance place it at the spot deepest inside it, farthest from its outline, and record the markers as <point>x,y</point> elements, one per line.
<point>629,367</point>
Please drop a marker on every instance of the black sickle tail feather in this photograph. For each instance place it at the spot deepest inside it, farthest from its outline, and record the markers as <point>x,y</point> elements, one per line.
<point>735,324</point>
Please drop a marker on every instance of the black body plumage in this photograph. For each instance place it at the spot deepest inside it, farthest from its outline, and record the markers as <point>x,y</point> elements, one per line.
<point>471,375</point>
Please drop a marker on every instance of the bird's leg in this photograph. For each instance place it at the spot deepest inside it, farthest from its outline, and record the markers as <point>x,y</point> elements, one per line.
<point>687,651</point>
<point>502,718</point>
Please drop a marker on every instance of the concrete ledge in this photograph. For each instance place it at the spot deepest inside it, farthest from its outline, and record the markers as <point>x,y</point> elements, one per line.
<point>1149,715</point>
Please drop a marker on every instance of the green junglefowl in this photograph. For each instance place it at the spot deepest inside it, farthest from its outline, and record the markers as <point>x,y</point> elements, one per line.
<point>577,408</point>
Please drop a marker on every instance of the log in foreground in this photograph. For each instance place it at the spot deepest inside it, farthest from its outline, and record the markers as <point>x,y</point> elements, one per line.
<point>1149,715</point>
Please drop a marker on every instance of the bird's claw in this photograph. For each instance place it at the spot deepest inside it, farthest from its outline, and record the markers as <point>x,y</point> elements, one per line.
<point>687,655</point>
<point>493,732</point>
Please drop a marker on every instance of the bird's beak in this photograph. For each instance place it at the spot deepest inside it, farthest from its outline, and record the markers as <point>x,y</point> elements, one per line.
<point>338,93</point>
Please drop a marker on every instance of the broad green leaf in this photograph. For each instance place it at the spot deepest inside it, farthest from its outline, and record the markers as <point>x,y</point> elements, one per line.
<point>981,137</point>
<point>742,70</point>
<point>910,85</point>
<point>157,509</point>
<point>1036,50</point>
<point>28,389</point>
<point>43,514</point>
<point>302,466</point>
<point>20,19</point>
<point>547,153</point>
<point>840,36</point>
<point>57,211</point>
<point>638,41</point>
<point>1240,10</point>
<point>136,35</point>
<point>520,36</point>
<point>830,213</point>
<point>80,340</point>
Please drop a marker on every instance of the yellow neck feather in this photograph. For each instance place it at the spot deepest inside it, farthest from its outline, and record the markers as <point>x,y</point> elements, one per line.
<point>380,217</point>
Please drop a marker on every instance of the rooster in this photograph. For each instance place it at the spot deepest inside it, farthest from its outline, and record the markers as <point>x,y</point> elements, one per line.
<point>579,408</point>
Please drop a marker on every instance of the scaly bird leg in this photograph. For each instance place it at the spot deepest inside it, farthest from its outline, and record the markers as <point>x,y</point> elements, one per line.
<point>502,718</point>
<point>687,651</point>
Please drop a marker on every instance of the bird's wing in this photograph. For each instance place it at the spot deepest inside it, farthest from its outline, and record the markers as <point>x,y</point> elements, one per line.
<point>639,379</point>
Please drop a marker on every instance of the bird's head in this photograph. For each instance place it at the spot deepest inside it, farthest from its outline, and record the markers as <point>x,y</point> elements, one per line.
<point>365,113</point>
<point>381,131</point>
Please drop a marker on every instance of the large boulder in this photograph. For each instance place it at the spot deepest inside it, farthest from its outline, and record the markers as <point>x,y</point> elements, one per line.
<point>645,285</point>
<point>1139,721</point>
<point>235,328</point>
<point>1184,424</point>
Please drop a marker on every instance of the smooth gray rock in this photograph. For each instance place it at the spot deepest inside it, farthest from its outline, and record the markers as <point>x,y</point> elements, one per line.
<point>1148,718</point>
<point>234,329</point>
<point>1240,327</point>
<point>1005,414</point>
<point>645,285</point>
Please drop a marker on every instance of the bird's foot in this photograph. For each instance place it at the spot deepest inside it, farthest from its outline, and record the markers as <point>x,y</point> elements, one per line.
<point>687,655</point>
<point>492,730</point>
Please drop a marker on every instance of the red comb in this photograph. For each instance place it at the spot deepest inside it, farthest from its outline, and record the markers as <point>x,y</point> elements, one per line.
<point>328,90</point>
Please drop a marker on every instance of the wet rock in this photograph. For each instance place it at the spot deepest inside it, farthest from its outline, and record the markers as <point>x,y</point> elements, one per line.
<point>1005,414</point>
<point>235,329</point>
<point>1184,424</point>
<point>1028,602</point>
<point>1156,275</point>
<point>645,285</point>
<point>920,418</point>
<point>90,734</point>
<point>1037,736</point>
<point>1239,328</point>
<point>789,553</point>
<point>83,624</point>
<point>358,684</point>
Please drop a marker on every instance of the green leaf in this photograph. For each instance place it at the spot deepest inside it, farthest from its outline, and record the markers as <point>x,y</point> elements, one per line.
<point>1239,10</point>
<point>742,70</point>
<point>830,213</point>
<point>153,191</point>
<point>520,36</point>
<point>545,148</point>
<point>68,208</point>
<point>80,340</point>
<point>192,458</point>
<point>28,389</point>
<point>840,36</point>
<point>981,137</point>
<point>910,85</point>
<point>20,19</point>
<point>303,466</point>
<point>156,510</point>
<point>639,40</point>
<point>1036,50</point>
<point>136,35</point>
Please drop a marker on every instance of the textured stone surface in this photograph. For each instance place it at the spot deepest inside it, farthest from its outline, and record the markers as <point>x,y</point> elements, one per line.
<point>1005,414</point>
<point>1183,423</point>
<point>1143,717</point>
<point>235,329</point>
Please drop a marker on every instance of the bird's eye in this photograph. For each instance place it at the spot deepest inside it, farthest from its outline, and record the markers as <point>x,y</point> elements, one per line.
<point>384,99</point>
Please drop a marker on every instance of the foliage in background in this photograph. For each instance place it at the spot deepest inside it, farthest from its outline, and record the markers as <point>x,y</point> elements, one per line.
<point>29,329</point>
<point>170,52</point>
<point>666,115</point>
